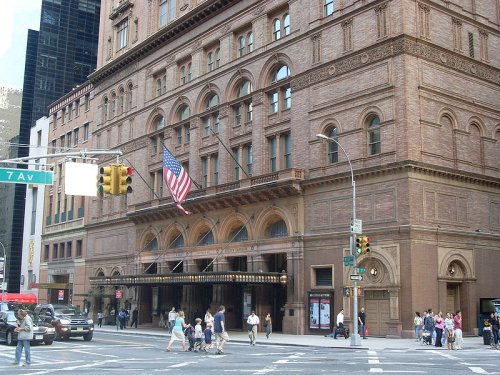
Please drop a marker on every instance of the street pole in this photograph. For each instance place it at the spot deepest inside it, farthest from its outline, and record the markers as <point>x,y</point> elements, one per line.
<point>355,338</point>
<point>4,261</point>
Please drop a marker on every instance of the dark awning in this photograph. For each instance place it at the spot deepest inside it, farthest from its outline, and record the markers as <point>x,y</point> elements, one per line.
<point>192,278</point>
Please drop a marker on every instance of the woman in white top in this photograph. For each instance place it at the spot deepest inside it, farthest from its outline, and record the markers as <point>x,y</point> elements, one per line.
<point>209,319</point>
<point>448,326</point>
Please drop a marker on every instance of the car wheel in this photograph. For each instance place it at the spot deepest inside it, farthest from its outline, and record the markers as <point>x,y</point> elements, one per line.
<point>48,342</point>
<point>10,339</point>
<point>88,336</point>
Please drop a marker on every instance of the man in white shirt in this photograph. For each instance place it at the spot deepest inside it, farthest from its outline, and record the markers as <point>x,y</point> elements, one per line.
<point>340,324</point>
<point>252,321</point>
<point>172,315</point>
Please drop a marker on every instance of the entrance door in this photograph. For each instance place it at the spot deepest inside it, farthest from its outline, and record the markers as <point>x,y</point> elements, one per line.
<point>452,297</point>
<point>377,311</point>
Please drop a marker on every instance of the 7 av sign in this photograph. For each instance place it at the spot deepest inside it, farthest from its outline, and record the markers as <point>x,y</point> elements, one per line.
<point>26,176</point>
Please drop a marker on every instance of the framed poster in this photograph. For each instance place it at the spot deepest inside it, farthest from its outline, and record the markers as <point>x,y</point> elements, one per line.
<point>320,310</point>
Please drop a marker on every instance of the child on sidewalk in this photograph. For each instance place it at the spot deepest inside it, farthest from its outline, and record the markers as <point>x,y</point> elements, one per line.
<point>198,334</point>
<point>207,333</point>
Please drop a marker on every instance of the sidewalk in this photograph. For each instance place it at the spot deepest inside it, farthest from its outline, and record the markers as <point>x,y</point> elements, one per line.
<point>371,343</point>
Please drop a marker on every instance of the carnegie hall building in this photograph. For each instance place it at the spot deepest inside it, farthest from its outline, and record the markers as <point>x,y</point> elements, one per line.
<point>238,91</point>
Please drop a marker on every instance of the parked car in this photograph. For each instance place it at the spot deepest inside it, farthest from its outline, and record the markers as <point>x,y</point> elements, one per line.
<point>67,320</point>
<point>42,332</point>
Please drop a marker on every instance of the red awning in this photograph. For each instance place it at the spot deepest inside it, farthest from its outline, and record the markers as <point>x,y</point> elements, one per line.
<point>18,297</point>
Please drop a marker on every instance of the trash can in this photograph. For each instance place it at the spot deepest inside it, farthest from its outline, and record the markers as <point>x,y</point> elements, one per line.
<point>487,335</point>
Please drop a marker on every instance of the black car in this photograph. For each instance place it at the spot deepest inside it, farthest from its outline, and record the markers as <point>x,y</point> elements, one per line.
<point>42,332</point>
<point>68,320</point>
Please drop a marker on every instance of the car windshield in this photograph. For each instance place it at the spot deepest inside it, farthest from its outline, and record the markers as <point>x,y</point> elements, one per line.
<point>34,317</point>
<point>11,317</point>
<point>67,310</point>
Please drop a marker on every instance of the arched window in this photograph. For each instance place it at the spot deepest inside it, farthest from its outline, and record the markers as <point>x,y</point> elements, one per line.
<point>333,148</point>
<point>129,97</point>
<point>213,101</point>
<point>276,29</point>
<point>278,229</point>
<point>286,24</point>
<point>177,242</point>
<point>159,122</point>
<point>239,234</point>
<point>121,101</point>
<point>241,46</point>
<point>152,245</point>
<point>245,88</point>
<point>284,92</point>
<point>374,144</point>
<point>184,113</point>
<point>206,238</point>
<point>105,109</point>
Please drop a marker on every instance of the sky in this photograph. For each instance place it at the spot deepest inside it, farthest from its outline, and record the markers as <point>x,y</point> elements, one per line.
<point>17,16</point>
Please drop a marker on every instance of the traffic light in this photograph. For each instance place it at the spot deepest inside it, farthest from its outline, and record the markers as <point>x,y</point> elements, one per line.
<point>124,179</point>
<point>107,180</point>
<point>365,245</point>
<point>359,248</point>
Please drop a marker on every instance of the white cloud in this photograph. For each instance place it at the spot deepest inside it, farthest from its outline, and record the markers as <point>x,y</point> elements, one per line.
<point>6,26</point>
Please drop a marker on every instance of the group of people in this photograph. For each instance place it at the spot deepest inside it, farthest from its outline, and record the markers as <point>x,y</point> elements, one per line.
<point>494,322</point>
<point>441,329</point>
<point>200,339</point>
<point>123,318</point>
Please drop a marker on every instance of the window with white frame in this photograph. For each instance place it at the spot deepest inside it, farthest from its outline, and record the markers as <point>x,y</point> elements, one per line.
<point>185,71</point>
<point>122,34</point>
<point>168,11</point>
<point>213,58</point>
<point>280,152</point>
<point>374,141</point>
<point>281,26</point>
<point>281,89</point>
<point>242,110</point>
<point>328,7</point>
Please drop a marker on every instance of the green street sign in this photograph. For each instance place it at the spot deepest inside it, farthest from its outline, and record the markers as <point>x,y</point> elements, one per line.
<point>361,270</point>
<point>348,261</point>
<point>26,176</point>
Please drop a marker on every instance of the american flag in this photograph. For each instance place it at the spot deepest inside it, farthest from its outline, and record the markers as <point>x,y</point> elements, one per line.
<point>177,179</point>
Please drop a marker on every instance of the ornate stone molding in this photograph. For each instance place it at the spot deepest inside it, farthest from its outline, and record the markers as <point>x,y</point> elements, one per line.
<point>392,48</point>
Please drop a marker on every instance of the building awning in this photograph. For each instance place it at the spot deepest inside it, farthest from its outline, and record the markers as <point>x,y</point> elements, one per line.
<point>19,298</point>
<point>192,278</point>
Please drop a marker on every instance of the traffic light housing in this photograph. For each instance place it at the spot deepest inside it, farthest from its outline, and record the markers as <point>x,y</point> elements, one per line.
<point>124,179</point>
<point>359,249</point>
<point>365,245</point>
<point>107,180</point>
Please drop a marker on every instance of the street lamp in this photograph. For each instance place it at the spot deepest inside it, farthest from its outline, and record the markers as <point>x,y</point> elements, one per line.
<point>3,259</point>
<point>355,339</point>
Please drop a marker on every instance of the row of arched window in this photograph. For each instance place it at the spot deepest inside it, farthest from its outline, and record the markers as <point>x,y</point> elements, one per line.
<point>116,104</point>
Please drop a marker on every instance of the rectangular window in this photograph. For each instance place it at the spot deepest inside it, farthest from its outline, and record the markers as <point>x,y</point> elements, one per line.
<point>287,98</point>
<point>237,115</point>
<point>54,120</point>
<point>273,102</point>
<point>39,138</point>
<point>248,153</point>
<point>187,133</point>
<point>78,248</point>
<point>33,209</point>
<point>85,131</point>
<point>55,251</point>
<point>204,171</point>
<point>206,126</point>
<point>236,158</point>
<point>46,251</point>
<point>76,134</point>
<point>215,167</point>
<point>178,135</point>
<point>273,156</point>
<point>87,102</point>
<point>328,7</point>
<point>54,146</point>
<point>69,140</point>
<point>122,34</point>
<point>77,107</point>
<point>69,249</point>
<point>62,141</point>
<point>287,151</point>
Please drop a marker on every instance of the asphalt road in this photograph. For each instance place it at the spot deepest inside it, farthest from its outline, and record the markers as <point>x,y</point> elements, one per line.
<point>122,353</point>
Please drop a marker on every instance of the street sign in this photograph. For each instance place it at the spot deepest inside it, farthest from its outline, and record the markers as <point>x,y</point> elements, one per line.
<point>361,270</point>
<point>356,226</point>
<point>349,261</point>
<point>118,294</point>
<point>356,277</point>
<point>26,176</point>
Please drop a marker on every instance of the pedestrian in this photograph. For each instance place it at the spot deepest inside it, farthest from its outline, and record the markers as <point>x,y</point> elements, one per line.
<point>100,317</point>
<point>340,324</point>
<point>269,325</point>
<point>135,317</point>
<point>457,327</point>
<point>178,331</point>
<point>448,326</point>
<point>198,334</point>
<point>253,323</point>
<point>418,323</point>
<point>362,323</point>
<point>122,318</point>
<point>207,333</point>
<point>439,326</point>
<point>209,319</point>
<point>190,334</point>
<point>428,327</point>
<point>221,335</point>
<point>24,331</point>
<point>495,328</point>
<point>172,316</point>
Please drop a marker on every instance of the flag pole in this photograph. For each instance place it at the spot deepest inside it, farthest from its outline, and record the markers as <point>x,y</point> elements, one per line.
<point>230,154</point>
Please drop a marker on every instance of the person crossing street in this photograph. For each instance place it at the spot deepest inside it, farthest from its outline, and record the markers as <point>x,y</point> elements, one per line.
<point>252,322</point>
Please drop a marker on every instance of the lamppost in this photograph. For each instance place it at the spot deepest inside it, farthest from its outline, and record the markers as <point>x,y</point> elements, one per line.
<point>355,338</point>
<point>3,259</point>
